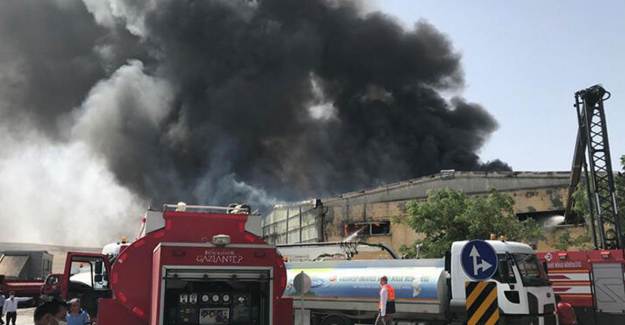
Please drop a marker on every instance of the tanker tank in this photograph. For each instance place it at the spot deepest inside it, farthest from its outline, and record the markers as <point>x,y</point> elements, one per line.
<point>420,285</point>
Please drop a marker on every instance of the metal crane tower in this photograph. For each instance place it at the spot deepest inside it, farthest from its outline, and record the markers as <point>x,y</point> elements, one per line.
<point>592,156</point>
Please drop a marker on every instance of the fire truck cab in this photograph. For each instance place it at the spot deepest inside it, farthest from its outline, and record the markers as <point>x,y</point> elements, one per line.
<point>192,265</point>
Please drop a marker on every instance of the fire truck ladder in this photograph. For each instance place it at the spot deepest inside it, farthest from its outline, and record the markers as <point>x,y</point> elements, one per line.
<point>592,134</point>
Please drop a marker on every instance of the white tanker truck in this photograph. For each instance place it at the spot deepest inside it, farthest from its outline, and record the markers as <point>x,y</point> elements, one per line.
<point>428,291</point>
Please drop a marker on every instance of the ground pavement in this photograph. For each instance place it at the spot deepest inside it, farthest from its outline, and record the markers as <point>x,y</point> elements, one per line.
<point>25,316</point>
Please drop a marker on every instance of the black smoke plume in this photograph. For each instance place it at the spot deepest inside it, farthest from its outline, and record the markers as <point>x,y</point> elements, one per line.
<point>213,101</point>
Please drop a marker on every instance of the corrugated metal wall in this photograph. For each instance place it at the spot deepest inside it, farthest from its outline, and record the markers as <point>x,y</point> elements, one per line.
<point>289,224</point>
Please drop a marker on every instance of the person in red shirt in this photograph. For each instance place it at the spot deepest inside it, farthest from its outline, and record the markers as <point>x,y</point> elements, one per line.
<point>386,306</point>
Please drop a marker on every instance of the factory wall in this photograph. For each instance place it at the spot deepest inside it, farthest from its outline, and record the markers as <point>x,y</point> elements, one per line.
<point>380,213</point>
<point>342,220</point>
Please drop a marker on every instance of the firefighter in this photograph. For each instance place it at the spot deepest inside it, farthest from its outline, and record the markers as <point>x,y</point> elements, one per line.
<point>387,303</point>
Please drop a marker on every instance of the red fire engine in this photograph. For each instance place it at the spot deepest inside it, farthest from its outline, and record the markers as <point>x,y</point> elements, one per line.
<point>571,276</point>
<point>192,265</point>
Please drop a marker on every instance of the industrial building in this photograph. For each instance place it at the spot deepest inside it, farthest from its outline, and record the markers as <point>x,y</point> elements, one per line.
<point>376,213</point>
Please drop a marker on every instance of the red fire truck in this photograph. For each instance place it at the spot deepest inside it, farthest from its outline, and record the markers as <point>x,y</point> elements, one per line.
<point>192,265</point>
<point>591,281</point>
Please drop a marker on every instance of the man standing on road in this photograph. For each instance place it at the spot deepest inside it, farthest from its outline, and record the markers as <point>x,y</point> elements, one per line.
<point>387,303</point>
<point>10,307</point>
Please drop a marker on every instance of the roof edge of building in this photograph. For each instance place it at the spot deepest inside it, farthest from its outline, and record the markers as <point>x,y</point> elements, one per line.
<point>442,175</point>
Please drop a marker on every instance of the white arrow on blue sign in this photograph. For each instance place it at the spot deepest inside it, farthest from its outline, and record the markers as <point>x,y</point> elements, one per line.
<point>479,260</point>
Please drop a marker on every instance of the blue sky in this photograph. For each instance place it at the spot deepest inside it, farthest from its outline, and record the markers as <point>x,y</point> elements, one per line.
<point>523,60</point>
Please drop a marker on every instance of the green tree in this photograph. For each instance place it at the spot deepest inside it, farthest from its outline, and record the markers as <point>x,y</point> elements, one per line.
<point>581,206</point>
<point>565,241</point>
<point>448,215</point>
<point>580,197</point>
<point>580,201</point>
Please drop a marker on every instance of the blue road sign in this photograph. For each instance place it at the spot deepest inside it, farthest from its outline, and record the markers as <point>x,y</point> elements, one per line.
<point>479,260</point>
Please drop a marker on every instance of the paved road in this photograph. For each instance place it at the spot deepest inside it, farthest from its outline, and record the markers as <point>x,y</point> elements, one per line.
<point>25,316</point>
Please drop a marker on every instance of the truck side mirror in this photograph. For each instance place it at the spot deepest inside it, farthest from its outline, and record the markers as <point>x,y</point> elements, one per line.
<point>98,267</point>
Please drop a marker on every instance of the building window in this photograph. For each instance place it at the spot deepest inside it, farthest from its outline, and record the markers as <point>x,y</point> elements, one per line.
<point>382,228</point>
<point>368,229</point>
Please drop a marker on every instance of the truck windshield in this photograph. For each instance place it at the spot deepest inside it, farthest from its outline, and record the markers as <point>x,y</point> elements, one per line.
<point>532,272</point>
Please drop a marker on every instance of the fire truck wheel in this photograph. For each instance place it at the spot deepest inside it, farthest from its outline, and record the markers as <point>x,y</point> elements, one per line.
<point>336,320</point>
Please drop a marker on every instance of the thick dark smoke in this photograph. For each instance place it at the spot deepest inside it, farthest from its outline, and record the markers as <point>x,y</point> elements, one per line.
<point>214,101</point>
<point>52,53</point>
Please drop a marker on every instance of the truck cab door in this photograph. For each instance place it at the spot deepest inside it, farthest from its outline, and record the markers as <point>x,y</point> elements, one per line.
<point>512,298</point>
<point>86,278</point>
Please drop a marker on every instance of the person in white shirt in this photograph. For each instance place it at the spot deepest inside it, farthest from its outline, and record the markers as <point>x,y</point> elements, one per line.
<point>386,306</point>
<point>10,307</point>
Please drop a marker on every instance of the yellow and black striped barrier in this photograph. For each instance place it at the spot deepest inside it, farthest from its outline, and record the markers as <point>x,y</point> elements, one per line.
<point>482,307</point>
